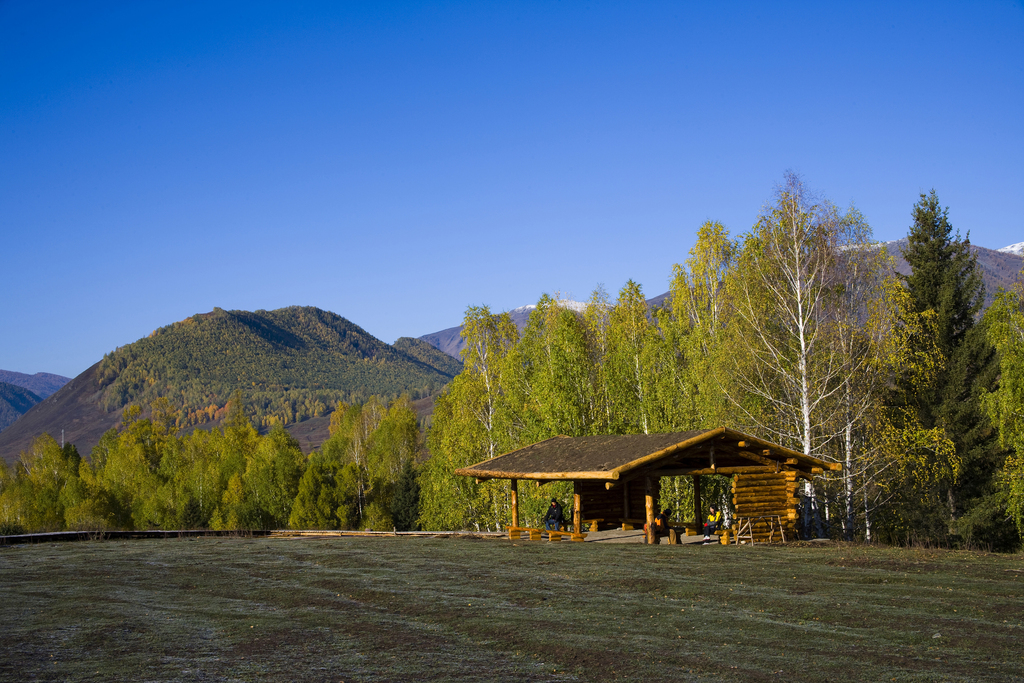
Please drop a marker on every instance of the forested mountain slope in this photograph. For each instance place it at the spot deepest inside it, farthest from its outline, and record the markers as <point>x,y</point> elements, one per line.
<point>15,401</point>
<point>42,384</point>
<point>998,268</point>
<point>290,364</point>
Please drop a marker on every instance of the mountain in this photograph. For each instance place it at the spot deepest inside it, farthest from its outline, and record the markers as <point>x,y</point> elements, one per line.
<point>999,268</point>
<point>290,365</point>
<point>42,384</point>
<point>1017,249</point>
<point>450,340</point>
<point>15,401</point>
<point>428,354</point>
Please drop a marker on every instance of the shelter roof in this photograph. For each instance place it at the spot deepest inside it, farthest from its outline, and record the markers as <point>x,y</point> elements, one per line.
<point>622,456</point>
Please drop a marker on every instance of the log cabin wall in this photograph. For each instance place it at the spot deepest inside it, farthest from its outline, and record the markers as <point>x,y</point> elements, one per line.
<point>599,502</point>
<point>755,495</point>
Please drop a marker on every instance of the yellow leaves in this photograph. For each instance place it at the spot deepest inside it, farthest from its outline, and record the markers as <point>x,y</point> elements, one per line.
<point>923,456</point>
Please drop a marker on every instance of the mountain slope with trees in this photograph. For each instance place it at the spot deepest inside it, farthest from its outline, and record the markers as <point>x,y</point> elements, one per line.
<point>42,384</point>
<point>290,365</point>
<point>15,401</point>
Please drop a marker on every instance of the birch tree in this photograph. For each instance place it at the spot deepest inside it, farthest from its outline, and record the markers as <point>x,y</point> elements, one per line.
<point>1005,405</point>
<point>630,377</point>
<point>700,310</point>
<point>786,372</point>
<point>471,419</point>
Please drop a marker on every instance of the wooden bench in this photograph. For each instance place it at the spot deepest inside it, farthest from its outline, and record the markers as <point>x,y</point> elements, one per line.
<point>515,533</point>
<point>555,536</point>
<point>630,524</point>
<point>592,523</point>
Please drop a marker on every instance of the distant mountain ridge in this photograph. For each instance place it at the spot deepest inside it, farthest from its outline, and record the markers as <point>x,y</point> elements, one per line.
<point>15,401</point>
<point>450,340</point>
<point>42,384</point>
<point>999,268</point>
<point>290,364</point>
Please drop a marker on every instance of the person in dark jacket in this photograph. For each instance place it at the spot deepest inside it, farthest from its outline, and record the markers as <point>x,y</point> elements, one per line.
<point>553,518</point>
<point>661,522</point>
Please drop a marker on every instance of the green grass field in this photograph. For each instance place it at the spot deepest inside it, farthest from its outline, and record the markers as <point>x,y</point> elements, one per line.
<point>406,609</point>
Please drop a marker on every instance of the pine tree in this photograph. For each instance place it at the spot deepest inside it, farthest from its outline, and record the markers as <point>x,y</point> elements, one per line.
<point>945,278</point>
<point>405,504</point>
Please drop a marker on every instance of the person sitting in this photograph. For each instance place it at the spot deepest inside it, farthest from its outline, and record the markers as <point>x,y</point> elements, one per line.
<point>553,518</point>
<point>711,525</point>
<point>661,522</point>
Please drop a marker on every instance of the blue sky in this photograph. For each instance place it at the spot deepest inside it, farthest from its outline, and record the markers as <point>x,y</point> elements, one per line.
<point>397,162</point>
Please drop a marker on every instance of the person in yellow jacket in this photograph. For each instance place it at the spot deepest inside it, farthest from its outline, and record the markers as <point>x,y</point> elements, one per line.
<point>711,525</point>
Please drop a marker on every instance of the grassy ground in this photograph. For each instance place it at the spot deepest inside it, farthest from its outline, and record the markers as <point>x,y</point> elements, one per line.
<point>402,609</point>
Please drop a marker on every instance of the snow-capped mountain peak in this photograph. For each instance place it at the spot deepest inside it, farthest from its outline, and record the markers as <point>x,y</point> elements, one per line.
<point>579,306</point>
<point>1017,249</point>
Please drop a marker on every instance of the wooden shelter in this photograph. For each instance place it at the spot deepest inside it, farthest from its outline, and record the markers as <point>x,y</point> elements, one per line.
<point>616,478</point>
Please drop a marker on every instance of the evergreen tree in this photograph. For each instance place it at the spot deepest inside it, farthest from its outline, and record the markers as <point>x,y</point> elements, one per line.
<point>405,504</point>
<point>945,278</point>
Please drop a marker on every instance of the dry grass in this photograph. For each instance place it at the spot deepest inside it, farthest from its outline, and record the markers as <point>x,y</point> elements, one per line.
<point>399,609</point>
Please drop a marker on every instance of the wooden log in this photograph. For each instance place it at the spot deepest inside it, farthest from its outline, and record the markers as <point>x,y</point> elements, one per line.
<point>765,491</point>
<point>784,474</point>
<point>781,503</point>
<point>774,494</point>
<point>784,491</point>
<point>514,488</point>
<point>652,537</point>
<point>760,459</point>
<point>782,497</point>
<point>757,500</point>
<point>746,470</point>
<point>577,507</point>
<point>516,533</point>
<point>763,483</point>
<point>698,516</point>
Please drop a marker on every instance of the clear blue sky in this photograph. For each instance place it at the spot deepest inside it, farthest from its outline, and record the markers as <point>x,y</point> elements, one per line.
<point>395,163</point>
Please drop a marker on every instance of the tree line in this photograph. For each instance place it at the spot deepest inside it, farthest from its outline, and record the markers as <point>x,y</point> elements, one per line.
<point>143,475</point>
<point>799,331</point>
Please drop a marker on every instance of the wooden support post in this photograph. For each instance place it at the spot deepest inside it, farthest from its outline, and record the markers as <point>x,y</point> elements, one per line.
<point>652,536</point>
<point>577,508</point>
<point>698,519</point>
<point>515,502</point>
<point>625,500</point>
